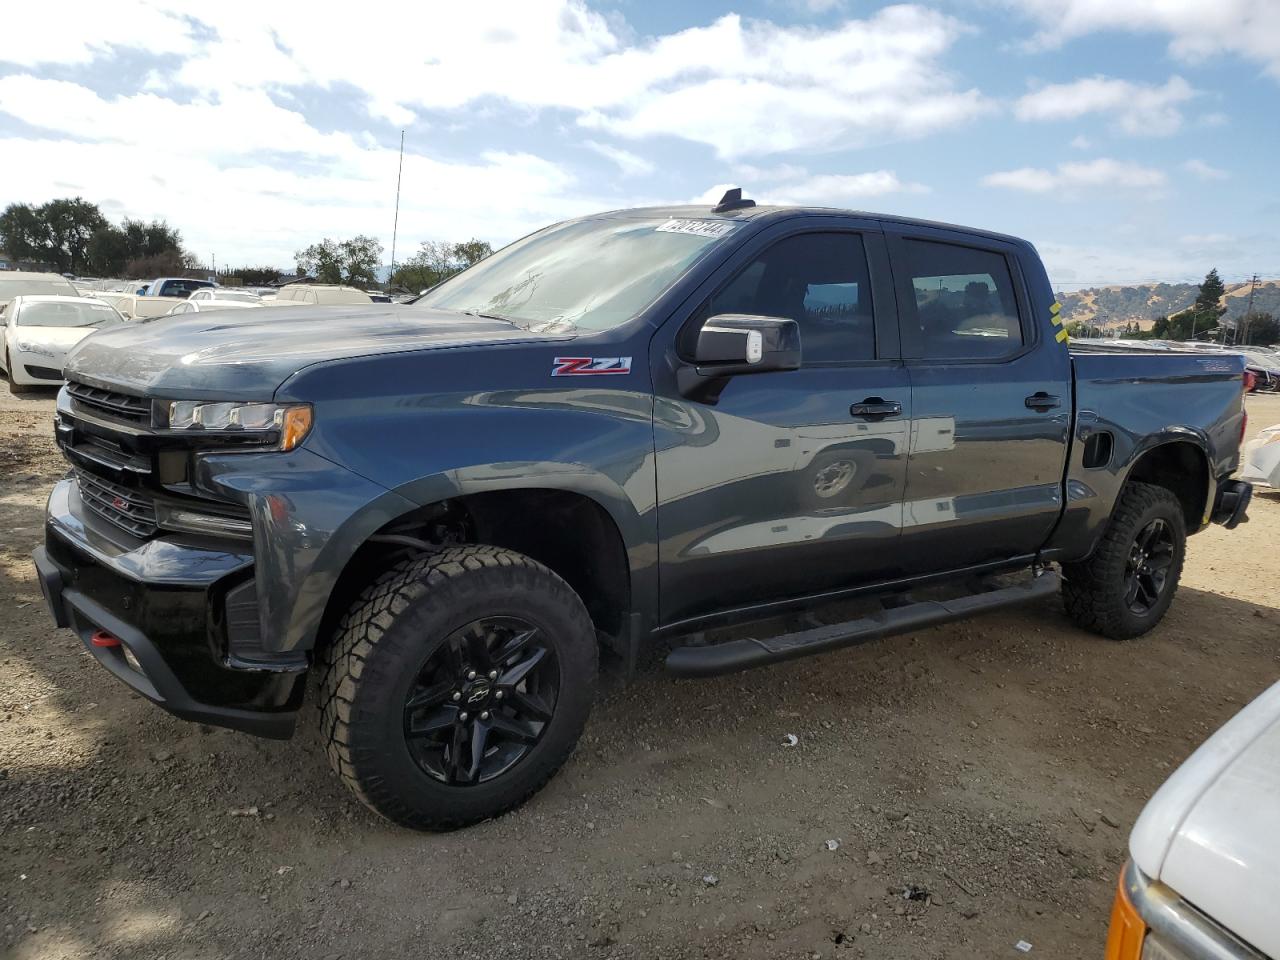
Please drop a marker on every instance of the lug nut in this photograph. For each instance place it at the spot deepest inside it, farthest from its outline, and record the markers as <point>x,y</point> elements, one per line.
<point>484,715</point>
<point>462,715</point>
<point>471,675</point>
<point>498,695</point>
<point>457,694</point>
<point>493,674</point>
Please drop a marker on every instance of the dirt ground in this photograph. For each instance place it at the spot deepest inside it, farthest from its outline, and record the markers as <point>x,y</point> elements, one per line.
<point>994,767</point>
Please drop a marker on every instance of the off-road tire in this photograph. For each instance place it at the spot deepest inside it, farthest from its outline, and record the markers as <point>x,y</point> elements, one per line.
<point>1093,590</point>
<point>378,645</point>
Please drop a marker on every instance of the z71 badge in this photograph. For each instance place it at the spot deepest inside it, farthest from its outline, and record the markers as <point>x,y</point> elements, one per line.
<point>589,366</point>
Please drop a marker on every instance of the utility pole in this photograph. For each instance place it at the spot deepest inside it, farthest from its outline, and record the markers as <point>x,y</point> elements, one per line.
<point>1248,312</point>
<point>396,224</point>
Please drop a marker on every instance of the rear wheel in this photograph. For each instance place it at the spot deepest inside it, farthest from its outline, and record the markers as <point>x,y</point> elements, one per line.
<point>1125,588</point>
<point>457,686</point>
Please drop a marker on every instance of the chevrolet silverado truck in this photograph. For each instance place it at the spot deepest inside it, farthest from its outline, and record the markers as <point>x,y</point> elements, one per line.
<point>619,431</point>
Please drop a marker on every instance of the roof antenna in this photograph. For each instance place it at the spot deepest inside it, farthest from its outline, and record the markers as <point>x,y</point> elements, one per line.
<point>732,200</point>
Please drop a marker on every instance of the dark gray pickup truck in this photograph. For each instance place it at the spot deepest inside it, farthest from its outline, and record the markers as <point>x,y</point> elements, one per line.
<point>617,431</point>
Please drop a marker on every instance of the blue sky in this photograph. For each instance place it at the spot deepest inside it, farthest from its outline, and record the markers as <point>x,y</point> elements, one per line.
<point>1131,140</point>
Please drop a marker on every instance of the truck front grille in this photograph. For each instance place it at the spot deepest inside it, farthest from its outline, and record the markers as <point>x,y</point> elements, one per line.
<point>129,509</point>
<point>110,404</point>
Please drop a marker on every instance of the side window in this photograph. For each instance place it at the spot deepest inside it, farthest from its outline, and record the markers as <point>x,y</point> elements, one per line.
<point>964,301</point>
<point>820,280</point>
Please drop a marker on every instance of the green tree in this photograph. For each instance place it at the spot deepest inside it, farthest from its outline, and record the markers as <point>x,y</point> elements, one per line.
<point>1211,291</point>
<point>438,260</point>
<point>169,263</point>
<point>1258,328</point>
<point>1201,320</point>
<point>353,261</point>
<point>24,234</point>
<point>71,223</point>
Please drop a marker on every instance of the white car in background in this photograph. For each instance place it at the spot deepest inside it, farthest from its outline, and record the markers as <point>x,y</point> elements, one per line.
<point>205,306</point>
<point>1203,878</point>
<point>39,330</point>
<point>1262,459</point>
<point>224,294</point>
<point>17,283</point>
<point>319,294</point>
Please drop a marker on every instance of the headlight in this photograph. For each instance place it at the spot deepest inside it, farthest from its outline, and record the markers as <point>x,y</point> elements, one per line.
<point>288,422</point>
<point>35,348</point>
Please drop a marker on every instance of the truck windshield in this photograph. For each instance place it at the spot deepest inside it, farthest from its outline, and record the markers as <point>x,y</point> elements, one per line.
<point>588,275</point>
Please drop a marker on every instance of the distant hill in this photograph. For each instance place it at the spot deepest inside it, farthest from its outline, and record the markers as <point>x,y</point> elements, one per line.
<point>1117,306</point>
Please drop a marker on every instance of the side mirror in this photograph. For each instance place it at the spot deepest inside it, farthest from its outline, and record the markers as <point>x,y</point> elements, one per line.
<point>732,344</point>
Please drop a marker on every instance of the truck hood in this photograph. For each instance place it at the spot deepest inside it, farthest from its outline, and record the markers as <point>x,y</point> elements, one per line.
<point>1212,832</point>
<point>247,354</point>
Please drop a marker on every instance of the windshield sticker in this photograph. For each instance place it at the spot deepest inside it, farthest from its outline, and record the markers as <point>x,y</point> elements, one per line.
<point>711,229</point>
<point>589,366</point>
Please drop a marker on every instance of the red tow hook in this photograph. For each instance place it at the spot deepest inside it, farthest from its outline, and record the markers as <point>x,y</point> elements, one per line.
<point>101,638</point>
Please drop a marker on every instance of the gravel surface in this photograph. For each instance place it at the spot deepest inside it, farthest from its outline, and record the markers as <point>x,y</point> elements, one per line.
<point>947,795</point>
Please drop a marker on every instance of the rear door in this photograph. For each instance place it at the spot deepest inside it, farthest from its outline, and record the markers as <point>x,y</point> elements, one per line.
<point>991,402</point>
<point>790,483</point>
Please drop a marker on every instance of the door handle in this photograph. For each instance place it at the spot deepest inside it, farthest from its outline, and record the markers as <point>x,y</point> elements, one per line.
<point>875,408</point>
<point>1042,401</point>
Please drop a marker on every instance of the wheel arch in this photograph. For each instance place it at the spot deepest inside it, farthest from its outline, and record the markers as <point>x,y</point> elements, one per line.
<point>567,530</point>
<point>1179,461</point>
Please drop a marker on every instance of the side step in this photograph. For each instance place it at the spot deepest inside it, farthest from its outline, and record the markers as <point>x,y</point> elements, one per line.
<point>719,658</point>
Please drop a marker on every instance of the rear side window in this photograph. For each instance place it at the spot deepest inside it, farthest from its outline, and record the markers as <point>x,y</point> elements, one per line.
<point>820,280</point>
<point>964,301</point>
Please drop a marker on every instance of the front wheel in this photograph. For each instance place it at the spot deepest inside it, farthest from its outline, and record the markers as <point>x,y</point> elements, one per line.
<point>457,686</point>
<point>1124,589</point>
<point>14,386</point>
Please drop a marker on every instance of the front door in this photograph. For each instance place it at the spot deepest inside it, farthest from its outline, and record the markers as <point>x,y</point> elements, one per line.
<point>984,473</point>
<point>790,483</point>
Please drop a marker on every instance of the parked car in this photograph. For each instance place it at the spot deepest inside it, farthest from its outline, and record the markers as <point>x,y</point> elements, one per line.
<point>1262,458</point>
<point>226,294</point>
<point>1264,366</point>
<point>320,294</point>
<point>17,283</point>
<point>623,428</point>
<point>38,331</point>
<point>204,306</point>
<point>1204,862</point>
<point>134,307</point>
<point>181,287</point>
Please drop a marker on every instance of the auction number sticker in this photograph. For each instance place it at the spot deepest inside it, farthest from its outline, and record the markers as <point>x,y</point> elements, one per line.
<point>711,229</point>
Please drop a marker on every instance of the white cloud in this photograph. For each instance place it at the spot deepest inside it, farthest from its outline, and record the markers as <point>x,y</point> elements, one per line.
<point>1204,171</point>
<point>1103,172</point>
<point>1136,109</point>
<point>740,86</point>
<point>1197,28</point>
<point>1206,239</point>
<point>1081,142</point>
<point>629,163</point>
<point>250,175</point>
<point>788,185</point>
<point>834,189</point>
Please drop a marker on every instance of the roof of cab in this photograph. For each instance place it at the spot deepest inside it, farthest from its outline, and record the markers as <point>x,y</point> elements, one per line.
<point>775,213</point>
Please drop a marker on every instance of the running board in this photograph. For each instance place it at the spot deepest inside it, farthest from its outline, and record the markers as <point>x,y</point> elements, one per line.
<point>720,658</point>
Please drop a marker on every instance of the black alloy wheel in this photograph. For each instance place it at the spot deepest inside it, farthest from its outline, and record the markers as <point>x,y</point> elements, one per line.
<point>481,700</point>
<point>1147,570</point>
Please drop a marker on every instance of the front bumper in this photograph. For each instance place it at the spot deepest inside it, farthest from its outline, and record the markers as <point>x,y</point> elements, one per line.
<point>167,603</point>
